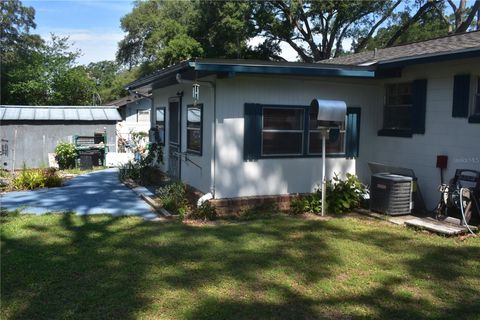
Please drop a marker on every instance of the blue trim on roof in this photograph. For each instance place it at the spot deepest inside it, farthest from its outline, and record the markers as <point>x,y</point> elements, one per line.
<point>291,70</point>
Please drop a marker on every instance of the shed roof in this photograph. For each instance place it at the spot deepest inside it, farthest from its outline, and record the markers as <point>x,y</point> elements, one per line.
<point>58,113</point>
<point>450,44</point>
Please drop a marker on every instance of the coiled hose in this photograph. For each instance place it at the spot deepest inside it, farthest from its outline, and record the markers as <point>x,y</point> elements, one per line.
<point>463,212</point>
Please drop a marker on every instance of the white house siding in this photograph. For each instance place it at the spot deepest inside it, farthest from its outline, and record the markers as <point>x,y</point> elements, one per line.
<point>444,135</point>
<point>199,178</point>
<point>131,123</point>
<point>235,177</point>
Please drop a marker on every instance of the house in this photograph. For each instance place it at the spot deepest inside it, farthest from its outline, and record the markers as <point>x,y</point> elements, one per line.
<point>247,132</point>
<point>135,113</point>
<point>29,133</point>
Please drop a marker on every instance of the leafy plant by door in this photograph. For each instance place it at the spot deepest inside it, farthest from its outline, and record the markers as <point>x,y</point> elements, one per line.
<point>66,155</point>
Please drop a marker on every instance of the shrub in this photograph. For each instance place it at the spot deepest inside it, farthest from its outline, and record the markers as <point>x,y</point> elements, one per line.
<point>174,199</point>
<point>36,178</point>
<point>344,195</point>
<point>66,155</point>
<point>130,170</point>
<point>206,211</point>
<point>311,203</point>
<point>143,169</point>
<point>298,206</point>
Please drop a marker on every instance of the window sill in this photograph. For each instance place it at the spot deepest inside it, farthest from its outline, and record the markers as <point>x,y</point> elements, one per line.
<point>395,133</point>
<point>474,118</point>
<point>194,153</point>
<point>303,156</point>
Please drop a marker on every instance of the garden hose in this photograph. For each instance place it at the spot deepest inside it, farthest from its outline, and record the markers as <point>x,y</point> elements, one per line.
<point>462,211</point>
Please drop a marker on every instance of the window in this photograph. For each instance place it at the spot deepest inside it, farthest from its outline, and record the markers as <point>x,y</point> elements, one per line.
<point>336,146</point>
<point>160,124</point>
<point>194,128</point>
<point>272,131</point>
<point>282,131</point>
<point>143,115</point>
<point>476,101</point>
<point>398,107</point>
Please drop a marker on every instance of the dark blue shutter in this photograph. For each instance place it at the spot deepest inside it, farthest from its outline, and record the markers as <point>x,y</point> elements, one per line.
<point>419,105</point>
<point>461,88</point>
<point>352,128</point>
<point>252,132</point>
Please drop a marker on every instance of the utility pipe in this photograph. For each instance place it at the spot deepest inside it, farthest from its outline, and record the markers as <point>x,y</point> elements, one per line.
<point>324,183</point>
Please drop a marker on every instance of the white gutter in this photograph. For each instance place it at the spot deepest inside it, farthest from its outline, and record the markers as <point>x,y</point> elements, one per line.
<point>210,84</point>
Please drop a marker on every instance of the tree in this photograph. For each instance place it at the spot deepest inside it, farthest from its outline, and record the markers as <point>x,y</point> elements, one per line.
<point>15,23</point>
<point>110,79</point>
<point>35,72</point>
<point>160,33</point>
<point>431,25</point>
<point>316,30</point>
<point>48,75</point>
<point>464,16</point>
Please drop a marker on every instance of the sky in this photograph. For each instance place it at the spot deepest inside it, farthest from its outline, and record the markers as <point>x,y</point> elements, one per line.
<point>93,26</point>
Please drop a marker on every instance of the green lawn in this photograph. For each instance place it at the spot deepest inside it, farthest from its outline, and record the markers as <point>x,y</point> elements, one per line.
<point>70,267</point>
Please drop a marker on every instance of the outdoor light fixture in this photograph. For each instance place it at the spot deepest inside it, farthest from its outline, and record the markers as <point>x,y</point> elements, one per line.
<point>330,115</point>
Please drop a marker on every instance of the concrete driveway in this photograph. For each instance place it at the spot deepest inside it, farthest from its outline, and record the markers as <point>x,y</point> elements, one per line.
<point>98,192</point>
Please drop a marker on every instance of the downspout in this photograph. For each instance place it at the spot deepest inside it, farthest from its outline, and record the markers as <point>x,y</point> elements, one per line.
<point>210,84</point>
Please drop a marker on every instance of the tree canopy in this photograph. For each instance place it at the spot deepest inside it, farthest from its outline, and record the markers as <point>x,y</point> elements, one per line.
<point>161,33</point>
<point>317,30</point>
<point>34,71</point>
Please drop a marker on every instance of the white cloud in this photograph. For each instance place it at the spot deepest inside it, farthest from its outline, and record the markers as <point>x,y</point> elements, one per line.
<point>95,45</point>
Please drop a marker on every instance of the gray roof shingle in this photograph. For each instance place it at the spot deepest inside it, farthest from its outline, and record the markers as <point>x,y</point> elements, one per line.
<point>65,113</point>
<point>451,43</point>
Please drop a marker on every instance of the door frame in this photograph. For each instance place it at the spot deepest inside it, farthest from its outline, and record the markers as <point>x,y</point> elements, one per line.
<point>177,99</point>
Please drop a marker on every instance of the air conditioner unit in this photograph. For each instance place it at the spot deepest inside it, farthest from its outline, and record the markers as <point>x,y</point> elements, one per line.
<point>391,194</point>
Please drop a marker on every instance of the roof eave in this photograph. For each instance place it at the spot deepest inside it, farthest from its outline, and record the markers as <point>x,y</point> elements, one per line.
<point>327,71</point>
<point>150,79</point>
<point>430,58</point>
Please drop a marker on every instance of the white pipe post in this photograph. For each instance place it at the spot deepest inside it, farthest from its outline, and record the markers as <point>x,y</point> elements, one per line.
<point>324,186</point>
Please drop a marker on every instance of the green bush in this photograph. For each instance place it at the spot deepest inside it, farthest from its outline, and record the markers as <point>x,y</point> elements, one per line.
<point>66,155</point>
<point>206,211</point>
<point>131,170</point>
<point>173,197</point>
<point>344,195</point>
<point>36,178</point>
<point>143,171</point>
<point>311,203</point>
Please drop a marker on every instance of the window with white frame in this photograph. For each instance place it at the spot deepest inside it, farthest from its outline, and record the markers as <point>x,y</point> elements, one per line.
<point>336,146</point>
<point>160,123</point>
<point>143,115</point>
<point>194,128</point>
<point>282,131</point>
<point>476,96</point>
<point>398,106</point>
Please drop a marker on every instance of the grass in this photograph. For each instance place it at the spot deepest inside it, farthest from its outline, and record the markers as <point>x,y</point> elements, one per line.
<point>98,267</point>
